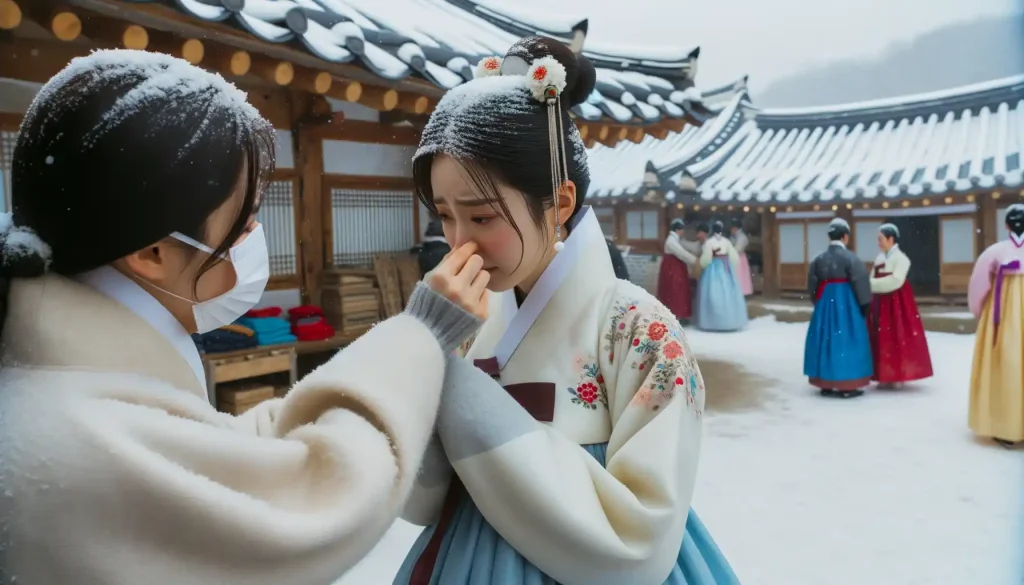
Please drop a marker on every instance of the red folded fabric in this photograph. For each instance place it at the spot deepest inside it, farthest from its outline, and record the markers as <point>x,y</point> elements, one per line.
<point>312,329</point>
<point>305,311</point>
<point>264,312</point>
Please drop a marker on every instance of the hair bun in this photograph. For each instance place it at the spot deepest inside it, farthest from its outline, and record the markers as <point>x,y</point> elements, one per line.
<point>580,75</point>
<point>22,253</point>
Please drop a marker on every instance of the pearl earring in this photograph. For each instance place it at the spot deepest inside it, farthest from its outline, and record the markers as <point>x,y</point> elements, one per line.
<point>559,244</point>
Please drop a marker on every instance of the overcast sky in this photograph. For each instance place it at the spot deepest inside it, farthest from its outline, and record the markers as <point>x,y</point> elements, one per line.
<point>768,39</point>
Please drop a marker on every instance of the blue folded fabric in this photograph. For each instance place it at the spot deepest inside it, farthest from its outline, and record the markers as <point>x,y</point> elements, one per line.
<point>266,324</point>
<point>275,339</point>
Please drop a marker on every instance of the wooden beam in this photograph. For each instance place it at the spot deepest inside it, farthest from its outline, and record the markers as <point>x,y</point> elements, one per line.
<point>36,61</point>
<point>309,162</point>
<point>10,15</point>
<point>10,122</point>
<point>414,104</point>
<point>637,135</point>
<point>379,98</point>
<point>675,124</point>
<point>771,284</point>
<point>349,91</point>
<point>280,73</point>
<point>367,132</point>
<point>988,231</point>
<point>659,132</point>
<point>584,130</point>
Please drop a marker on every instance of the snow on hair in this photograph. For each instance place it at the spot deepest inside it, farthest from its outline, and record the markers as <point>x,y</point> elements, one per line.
<point>889,230</point>
<point>19,242</point>
<point>162,76</point>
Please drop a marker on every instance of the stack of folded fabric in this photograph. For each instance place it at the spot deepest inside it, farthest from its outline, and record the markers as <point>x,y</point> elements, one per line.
<point>270,328</point>
<point>227,338</point>
<point>308,323</point>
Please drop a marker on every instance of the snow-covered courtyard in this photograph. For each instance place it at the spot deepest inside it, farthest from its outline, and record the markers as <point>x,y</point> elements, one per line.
<point>886,489</point>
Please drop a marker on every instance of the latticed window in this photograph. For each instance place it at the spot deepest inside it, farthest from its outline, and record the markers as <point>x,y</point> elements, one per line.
<point>369,222</point>
<point>7,140</point>
<point>277,214</point>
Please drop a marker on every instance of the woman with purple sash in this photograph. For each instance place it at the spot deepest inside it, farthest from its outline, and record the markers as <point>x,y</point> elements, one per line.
<point>996,297</point>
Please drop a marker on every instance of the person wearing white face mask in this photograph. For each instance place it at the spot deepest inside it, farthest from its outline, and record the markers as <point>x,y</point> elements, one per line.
<point>136,180</point>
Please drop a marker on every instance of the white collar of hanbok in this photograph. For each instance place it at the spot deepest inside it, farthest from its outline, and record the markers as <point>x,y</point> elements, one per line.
<point>837,243</point>
<point>519,319</point>
<point>110,282</point>
<point>1017,240</point>
<point>895,248</point>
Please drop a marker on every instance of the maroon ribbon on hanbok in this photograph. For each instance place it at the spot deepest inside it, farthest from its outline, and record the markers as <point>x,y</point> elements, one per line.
<point>538,399</point>
<point>997,301</point>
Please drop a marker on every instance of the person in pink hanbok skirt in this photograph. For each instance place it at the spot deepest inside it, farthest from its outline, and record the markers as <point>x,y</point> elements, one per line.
<point>740,242</point>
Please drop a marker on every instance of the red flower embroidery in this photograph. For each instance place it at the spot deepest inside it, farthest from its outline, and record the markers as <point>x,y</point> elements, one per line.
<point>540,73</point>
<point>622,326</point>
<point>657,330</point>
<point>600,379</point>
<point>679,381</point>
<point>587,392</point>
<point>636,342</point>
<point>672,350</point>
<point>491,64</point>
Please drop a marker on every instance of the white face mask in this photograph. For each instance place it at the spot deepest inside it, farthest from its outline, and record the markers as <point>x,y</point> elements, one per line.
<point>252,271</point>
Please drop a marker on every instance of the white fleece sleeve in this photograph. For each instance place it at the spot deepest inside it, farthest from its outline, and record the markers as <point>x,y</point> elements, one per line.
<point>151,485</point>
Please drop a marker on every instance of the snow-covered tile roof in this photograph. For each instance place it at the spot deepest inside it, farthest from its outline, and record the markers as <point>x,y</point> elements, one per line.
<point>441,40</point>
<point>958,140</point>
<point>620,170</point>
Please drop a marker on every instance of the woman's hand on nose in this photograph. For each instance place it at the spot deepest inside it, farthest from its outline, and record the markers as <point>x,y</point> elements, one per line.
<point>459,278</point>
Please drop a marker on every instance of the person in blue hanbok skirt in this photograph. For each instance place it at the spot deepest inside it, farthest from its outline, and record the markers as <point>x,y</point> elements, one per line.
<point>568,440</point>
<point>837,352</point>
<point>720,304</point>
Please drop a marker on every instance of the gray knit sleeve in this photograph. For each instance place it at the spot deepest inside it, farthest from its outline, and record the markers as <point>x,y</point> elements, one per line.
<point>450,323</point>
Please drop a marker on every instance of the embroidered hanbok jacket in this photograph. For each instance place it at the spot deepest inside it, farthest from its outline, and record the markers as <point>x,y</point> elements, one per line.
<point>628,379</point>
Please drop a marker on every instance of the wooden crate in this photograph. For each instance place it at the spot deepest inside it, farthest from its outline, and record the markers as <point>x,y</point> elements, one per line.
<point>350,300</point>
<point>227,367</point>
<point>237,400</point>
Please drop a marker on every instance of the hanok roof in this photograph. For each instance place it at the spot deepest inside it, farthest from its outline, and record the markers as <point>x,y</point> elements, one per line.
<point>958,140</point>
<point>440,40</point>
<point>629,168</point>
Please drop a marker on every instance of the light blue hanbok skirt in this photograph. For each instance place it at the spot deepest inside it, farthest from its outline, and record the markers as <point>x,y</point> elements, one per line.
<point>720,302</point>
<point>473,553</point>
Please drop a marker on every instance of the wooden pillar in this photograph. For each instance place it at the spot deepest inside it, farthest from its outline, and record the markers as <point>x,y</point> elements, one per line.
<point>985,219</point>
<point>309,162</point>
<point>847,214</point>
<point>769,255</point>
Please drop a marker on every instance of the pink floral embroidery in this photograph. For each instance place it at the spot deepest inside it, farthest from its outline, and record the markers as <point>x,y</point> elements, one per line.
<point>657,343</point>
<point>590,390</point>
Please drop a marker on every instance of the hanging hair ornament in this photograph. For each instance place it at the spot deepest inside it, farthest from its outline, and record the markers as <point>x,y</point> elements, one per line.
<point>488,67</point>
<point>546,77</point>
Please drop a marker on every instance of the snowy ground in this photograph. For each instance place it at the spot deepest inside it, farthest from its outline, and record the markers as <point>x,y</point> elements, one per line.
<point>886,489</point>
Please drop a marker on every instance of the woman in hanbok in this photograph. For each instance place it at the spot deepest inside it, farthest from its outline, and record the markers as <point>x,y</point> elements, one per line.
<point>899,348</point>
<point>996,297</point>
<point>136,179</point>
<point>720,304</point>
<point>569,435</point>
<point>740,241</point>
<point>674,274</point>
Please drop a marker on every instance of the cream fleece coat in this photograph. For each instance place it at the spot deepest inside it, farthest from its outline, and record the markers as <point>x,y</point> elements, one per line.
<point>115,469</point>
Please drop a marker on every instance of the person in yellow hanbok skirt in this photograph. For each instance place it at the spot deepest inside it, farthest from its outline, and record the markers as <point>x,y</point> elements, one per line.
<point>996,298</point>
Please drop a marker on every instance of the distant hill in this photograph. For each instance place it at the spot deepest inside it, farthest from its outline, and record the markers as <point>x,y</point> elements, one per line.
<point>959,54</point>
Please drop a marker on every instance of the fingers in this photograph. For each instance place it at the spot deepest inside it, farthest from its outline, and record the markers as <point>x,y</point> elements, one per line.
<point>470,270</point>
<point>457,258</point>
<point>479,284</point>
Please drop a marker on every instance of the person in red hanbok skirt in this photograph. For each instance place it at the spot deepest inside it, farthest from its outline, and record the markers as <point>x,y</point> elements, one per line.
<point>674,276</point>
<point>898,344</point>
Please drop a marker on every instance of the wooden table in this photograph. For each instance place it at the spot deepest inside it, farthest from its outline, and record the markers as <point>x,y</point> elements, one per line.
<point>242,364</point>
